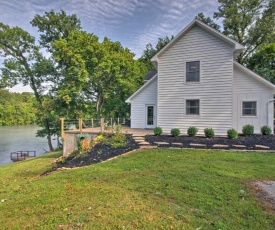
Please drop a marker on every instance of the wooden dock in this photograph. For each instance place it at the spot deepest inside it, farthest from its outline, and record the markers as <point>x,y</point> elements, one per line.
<point>22,155</point>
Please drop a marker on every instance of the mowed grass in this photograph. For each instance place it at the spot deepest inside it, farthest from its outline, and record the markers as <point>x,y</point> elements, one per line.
<point>150,189</point>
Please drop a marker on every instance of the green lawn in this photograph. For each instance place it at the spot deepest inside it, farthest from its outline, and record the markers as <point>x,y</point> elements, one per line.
<point>150,189</point>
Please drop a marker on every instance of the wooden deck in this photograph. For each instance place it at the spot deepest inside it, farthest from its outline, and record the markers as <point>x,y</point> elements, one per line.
<point>22,155</point>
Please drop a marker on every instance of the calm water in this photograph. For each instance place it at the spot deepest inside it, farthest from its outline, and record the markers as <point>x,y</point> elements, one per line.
<point>20,138</point>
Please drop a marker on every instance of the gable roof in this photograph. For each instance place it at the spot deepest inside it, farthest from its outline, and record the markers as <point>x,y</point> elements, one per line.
<point>151,73</point>
<point>141,88</point>
<point>237,46</point>
<point>255,76</point>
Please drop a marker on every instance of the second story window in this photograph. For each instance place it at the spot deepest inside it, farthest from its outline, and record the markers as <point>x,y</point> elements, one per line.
<point>193,71</point>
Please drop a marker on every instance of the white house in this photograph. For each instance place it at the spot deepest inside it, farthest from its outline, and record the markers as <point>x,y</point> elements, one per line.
<point>200,84</point>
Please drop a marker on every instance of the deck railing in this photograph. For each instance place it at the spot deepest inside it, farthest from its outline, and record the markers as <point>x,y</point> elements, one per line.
<point>81,123</point>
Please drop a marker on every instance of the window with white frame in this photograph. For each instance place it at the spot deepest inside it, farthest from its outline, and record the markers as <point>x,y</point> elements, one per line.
<point>193,107</point>
<point>249,108</point>
<point>193,71</point>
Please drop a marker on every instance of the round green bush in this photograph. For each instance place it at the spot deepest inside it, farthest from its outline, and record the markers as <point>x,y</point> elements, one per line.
<point>158,131</point>
<point>175,132</point>
<point>232,134</point>
<point>266,130</point>
<point>209,132</point>
<point>248,129</point>
<point>192,131</point>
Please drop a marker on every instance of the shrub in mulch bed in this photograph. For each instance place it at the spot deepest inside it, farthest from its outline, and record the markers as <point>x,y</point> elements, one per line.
<point>248,141</point>
<point>100,152</point>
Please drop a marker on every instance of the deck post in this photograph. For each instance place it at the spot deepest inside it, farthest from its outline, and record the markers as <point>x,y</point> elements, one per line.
<point>118,121</point>
<point>92,122</point>
<point>80,124</point>
<point>124,120</point>
<point>111,121</point>
<point>62,128</point>
<point>101,125</point>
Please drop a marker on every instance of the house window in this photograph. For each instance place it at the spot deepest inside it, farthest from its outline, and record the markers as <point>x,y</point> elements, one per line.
<point>249,108</point>
<point>193,71</point>
<point>193,107</point>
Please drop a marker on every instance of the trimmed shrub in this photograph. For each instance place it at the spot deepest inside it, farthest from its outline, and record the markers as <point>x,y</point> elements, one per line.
<point>209,132</point>
<point>266,130</point>
<point>175,132</point>
<point>192,131</point>
<point>248,130</point>
<point>158,131</point>
<point>232,134</point>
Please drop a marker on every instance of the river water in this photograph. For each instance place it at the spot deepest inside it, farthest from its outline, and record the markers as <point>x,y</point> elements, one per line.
<point>20,138</point>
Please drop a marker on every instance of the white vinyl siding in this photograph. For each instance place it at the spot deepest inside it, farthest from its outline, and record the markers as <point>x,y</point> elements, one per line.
<point>214,88</point>
<point>248,89</point>
<point>148,96</point>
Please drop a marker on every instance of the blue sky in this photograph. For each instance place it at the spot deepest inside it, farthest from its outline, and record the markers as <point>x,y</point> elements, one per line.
<point>134,23</point>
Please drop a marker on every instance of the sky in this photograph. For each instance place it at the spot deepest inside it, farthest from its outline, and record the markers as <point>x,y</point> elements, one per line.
<point>134,23</point>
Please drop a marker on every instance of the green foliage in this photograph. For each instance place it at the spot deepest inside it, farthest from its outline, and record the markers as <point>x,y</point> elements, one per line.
<point>54,26</point>
<point>208,21</point>
<point>192,131</point>
<point>263,62</point>
<point>209,132</point>
<point>175,132</point>
<point>251,23</point>
<point>248,129</point>
<point>158,131</point>
<point>151,51</point>
<point>232,134</point>
<point>266,130</point>
<point>16,108</point>
<point>115,137</point>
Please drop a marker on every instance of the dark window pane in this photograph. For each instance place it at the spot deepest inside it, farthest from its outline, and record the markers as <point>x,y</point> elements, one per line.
<point>249,108</point>
<point>193,71</point>
<point>192,107</point>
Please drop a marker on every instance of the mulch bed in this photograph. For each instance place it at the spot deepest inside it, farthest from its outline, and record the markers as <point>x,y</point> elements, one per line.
<point>249,141</point>
<point>100,152</point>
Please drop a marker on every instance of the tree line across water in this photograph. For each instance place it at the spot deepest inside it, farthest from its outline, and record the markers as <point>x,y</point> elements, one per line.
<point>16,108</point>
<point>83,77</point>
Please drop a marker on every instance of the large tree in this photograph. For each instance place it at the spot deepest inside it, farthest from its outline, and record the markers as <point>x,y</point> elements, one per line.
<point>25,64</point>
<point>251,23</point>
<point>104,73</point>
<point>151,51</point>
<point>263,62</point>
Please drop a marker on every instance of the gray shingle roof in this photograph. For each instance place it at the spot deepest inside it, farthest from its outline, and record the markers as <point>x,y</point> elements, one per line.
<point>150,74</point>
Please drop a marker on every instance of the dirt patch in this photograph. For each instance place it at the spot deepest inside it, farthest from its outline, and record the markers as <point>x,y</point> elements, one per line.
<point>265,192</point>
<point>253,142</point>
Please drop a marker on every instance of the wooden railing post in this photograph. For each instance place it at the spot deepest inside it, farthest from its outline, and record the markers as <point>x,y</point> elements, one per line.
<point>92,122</point>
<point>118,121</point>
<point>124,120</point>
<point>101,125</point>
<point>80,124</point>
<point>62,128</point>
<point>111,121</point>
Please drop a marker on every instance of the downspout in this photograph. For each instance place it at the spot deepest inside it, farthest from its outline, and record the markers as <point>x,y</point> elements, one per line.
<point>268,114</point>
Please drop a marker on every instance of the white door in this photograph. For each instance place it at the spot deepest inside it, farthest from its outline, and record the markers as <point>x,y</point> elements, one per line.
<point>150,119</point>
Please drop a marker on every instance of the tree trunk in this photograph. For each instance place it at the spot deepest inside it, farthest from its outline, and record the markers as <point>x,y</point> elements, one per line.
<point>50,143</point>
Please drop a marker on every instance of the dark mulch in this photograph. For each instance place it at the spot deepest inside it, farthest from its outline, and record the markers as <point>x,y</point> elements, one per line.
<point>100,152</point>
<point>249,141</point>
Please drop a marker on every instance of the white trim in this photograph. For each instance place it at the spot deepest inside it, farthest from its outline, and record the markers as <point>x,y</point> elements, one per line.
<point>141,89</point>
<point>237,46</point>
<point>255,76</point>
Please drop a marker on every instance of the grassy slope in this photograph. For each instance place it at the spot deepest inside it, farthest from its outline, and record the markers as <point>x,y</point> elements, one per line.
<point>150,189</point>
